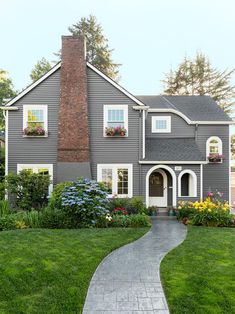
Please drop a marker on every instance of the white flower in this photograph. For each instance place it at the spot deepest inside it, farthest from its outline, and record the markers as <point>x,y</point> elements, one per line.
<point>108,217</point>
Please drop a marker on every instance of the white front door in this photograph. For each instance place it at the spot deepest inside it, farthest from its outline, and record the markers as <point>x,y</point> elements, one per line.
<point>158,188</point>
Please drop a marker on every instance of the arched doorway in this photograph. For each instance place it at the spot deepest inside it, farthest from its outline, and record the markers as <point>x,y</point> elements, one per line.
<point>158,188</point>
<point>158,174</point>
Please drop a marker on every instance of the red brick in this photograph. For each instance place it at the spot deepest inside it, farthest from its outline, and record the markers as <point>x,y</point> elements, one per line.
<point>73,134</point>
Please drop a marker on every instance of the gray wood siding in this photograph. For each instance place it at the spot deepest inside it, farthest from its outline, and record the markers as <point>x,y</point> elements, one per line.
<point>179,127</point>
<point>215,176</point>
<point>110,149</point>
<point>35,150</point>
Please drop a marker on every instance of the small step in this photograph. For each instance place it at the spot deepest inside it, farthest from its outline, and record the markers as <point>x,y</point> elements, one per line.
<point>163,217</point>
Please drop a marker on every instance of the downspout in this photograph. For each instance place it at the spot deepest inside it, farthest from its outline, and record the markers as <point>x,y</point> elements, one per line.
<point>196,132</point>
<point>140,141</point>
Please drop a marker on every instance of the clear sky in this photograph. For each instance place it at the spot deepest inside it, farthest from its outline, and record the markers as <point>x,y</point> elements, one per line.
<point>149,36</point>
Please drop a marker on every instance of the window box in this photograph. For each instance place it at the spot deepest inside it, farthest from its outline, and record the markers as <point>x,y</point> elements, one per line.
<point>117,131</point>
<point>34,132</point>
<point>215,158</point>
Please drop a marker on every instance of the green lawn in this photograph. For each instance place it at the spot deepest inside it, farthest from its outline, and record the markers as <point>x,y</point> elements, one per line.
<point>48,271</point>
<point>199,275</point>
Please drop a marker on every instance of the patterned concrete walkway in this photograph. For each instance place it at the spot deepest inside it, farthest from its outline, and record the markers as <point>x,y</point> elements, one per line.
<point>127,281</point>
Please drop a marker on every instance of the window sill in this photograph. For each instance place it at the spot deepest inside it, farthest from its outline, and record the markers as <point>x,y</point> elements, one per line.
<point>35,136</point>
<point>113,136</point>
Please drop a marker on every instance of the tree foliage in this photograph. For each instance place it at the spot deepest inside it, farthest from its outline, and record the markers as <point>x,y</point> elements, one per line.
<point>198,77</point>
<point>6,91</point>
<point>29,189</point>
<point>41,67</point>
<point>98,52</point>
<point>233,146</point>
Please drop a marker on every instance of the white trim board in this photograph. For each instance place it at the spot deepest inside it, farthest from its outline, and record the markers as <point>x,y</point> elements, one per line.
<point>174,183</point>
<point>172,162</point>
<point>192,188</point>
<point>32,86</point>
<point>56,67</point>
<point>179,113</point>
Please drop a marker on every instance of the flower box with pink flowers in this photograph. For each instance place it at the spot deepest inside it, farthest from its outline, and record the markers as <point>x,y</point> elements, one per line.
<point>34,131</point>
<point>215,158</point>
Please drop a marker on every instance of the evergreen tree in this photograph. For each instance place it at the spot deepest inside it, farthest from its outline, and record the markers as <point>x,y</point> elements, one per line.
<point>98,52</point>
<point>6,92</point>
<point>41,67</point>
<point>198,77</point>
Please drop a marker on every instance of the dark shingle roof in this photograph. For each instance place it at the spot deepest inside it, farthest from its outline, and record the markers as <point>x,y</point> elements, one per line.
<point>196,108</point>
<point>172,149</point>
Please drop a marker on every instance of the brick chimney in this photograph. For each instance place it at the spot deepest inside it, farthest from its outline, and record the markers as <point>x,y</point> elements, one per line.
<point>73,132</point>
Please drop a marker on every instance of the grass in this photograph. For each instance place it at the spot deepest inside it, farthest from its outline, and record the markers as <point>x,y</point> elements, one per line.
<point>199,275</point>
<point>48,271</point>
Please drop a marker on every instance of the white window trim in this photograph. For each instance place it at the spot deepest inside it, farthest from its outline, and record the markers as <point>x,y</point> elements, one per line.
<point>220,145</point>
<point>33,107</point>
<point>35,168</point>
<point>158,118</point>
<point>114,168</point>
<point>113,107</point>
<point>194,176</point>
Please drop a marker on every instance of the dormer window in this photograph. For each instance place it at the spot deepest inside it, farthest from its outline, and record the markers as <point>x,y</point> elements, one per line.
<point>161,124</point>
<point>115,120</point>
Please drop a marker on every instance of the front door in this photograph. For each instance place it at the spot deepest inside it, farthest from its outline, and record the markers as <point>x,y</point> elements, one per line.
<point>158,188</point>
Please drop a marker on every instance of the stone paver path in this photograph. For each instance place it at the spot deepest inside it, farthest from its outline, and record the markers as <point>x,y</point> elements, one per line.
<point>127,281</point>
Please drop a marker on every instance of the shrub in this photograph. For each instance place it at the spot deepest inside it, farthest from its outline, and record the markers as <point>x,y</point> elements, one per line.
<point>84,202</point>
<point>134,205</point>
<point>116,202</point>
<point>4,208</point>
<point>32,219</point>
<point>30,190</point>
<point>210,212</point>
<point>137,203</point>
<point>54,218</point>
<point>152,210</point>
<point>119,211</point>
<point>55,201</point>
<point>8,222</point>
<point>134,221</point>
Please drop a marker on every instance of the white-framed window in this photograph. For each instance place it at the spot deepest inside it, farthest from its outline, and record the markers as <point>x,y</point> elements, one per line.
<point>117,177</point>
<point>35,116</point>
<point>161,124</point>
<point>116,116</point>
<point>187,183</point>
<point>214,146</point>
<point>43,169</point>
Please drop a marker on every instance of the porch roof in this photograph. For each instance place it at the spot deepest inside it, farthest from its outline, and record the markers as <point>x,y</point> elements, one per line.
<point>172,149</point>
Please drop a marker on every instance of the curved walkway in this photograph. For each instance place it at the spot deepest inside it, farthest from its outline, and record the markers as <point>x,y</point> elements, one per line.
<point>127,281</point>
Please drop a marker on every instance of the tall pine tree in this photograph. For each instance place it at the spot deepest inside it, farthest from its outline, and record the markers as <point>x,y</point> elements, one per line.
<point>98,52</point>
<point>198,77</point>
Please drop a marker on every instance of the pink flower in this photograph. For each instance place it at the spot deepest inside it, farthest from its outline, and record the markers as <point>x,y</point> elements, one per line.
<point>210,194</point>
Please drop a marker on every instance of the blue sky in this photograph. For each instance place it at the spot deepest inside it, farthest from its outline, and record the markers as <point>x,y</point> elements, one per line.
<point>149,36</point>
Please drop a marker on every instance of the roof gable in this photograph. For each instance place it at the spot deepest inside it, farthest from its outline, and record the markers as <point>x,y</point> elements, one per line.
<point>55,68</point>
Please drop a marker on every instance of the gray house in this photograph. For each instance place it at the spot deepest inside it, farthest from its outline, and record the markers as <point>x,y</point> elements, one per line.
<point>75,121</point>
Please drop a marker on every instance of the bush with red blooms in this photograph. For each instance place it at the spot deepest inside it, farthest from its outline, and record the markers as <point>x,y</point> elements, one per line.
<point>119,211</point>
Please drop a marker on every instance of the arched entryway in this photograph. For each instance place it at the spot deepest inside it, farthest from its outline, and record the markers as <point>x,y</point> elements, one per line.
<point>160,186</point>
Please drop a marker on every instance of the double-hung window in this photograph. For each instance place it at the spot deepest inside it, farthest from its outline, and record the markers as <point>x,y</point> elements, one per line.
<point>43,169</point>
<point>161,124</point>
<point>35,116</point>
<point>117,177</point>
<point>116,119</point>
